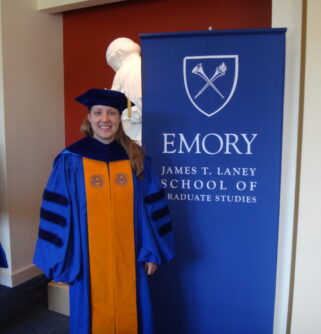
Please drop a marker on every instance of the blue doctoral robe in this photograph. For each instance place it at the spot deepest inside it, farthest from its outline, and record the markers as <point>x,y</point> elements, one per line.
<point>62,247</point>
<point>3,259</point>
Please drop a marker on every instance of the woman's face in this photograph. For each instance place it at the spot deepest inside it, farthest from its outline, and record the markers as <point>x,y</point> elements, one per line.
<point>104,122</point>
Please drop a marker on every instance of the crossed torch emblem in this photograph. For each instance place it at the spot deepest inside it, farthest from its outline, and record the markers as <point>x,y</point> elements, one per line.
<point>219,72</point>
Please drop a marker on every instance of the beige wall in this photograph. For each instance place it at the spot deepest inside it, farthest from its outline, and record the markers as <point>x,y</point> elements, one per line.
<point>4,219</point>
<point>306,317</point>
<point>33,113</point>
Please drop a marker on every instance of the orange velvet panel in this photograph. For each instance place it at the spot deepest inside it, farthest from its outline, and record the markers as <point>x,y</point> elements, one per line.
<point>109,193</point>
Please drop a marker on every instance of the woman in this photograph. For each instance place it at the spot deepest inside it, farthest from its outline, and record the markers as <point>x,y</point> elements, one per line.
<point>104,223</point>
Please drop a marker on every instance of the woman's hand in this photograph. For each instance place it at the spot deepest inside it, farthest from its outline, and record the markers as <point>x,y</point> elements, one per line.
<point>150,268</point>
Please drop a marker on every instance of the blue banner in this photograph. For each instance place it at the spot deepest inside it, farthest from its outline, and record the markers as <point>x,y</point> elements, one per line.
<point>212,123</point>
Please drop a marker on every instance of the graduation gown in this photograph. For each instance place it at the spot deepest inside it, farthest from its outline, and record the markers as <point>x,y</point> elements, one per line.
<point>3,258</point>
<point>94,205</point>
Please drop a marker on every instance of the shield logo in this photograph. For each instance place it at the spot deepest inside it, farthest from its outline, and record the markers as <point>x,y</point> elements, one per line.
<point>210,81</point>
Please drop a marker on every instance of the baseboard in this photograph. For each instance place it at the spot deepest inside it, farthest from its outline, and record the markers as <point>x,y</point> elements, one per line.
<point>5,277</point>
<point>58,298</point>
<point>12,279</point>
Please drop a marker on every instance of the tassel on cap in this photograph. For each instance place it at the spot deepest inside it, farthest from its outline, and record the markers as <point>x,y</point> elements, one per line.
<point>129,108</point>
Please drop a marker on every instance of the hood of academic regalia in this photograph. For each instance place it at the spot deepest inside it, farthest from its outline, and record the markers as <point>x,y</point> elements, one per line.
<point>91,148</point>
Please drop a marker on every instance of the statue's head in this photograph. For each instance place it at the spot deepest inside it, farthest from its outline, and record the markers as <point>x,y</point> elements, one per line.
<point>118,50</point>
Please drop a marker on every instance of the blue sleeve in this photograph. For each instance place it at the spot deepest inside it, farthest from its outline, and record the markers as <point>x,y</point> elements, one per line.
<point>3,259</point>
<point>57,250</point>
<point>157,243</point>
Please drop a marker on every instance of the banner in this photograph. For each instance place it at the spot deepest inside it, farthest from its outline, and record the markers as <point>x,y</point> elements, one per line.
<point>212,124</point>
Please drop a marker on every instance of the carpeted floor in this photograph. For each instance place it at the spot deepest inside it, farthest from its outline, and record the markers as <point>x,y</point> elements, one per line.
<point>24,310</point>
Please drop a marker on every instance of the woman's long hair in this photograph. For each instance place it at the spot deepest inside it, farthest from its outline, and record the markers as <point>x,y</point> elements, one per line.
<point>133,150</point>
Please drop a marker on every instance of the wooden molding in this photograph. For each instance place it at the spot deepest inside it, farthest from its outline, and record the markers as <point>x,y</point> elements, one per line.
<point>59,6</point>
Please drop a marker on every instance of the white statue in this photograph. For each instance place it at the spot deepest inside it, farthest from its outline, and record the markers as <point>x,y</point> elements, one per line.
<point>123,56</point>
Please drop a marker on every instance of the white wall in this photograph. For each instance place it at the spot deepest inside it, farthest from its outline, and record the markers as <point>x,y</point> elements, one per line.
<point>33,112</point>
<point>306,317</point>
<point>287,13</point>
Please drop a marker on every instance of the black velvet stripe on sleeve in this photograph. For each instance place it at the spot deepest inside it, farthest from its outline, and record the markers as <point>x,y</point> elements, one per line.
<point>152,198</point>
<point>52,217</point>
<point>50,237</point>
<point>165,229</point>
<point>158,214</point>
<point>55,197</point>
